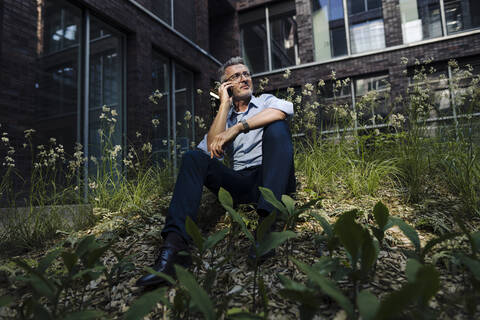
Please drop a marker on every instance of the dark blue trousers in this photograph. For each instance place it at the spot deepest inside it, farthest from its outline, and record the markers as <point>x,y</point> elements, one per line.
<point>197,169</point>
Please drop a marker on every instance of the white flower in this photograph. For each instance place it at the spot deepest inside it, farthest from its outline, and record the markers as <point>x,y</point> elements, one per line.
<point>5,139</point>
<point>287,74</point>
<point>199,91</point>
<point>188,116</point>
<point>164,142</point>
<point>155,122</point>
<point>24,145</point>
<point>138,134</point>
<point>105,109</point>
<point>376,132</point>
<point>114,112</point>
<point>321,83</point>
<point>53,140</point>
<point>298,99</point>
<point>29,132</point>
<point>147,147</point>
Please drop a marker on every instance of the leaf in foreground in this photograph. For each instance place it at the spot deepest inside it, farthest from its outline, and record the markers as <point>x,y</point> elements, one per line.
<point>144,305</point>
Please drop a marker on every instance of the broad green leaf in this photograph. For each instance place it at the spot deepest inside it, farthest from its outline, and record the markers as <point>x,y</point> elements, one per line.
<point>198,295</point>
<point>379,234</point>
<point>368,304</point>
<point>380,212</point>
<point>5,301</point>
<point>144,305</point>
<point>162,275</point>
<point>265,227</point>
<point>476,240</point>
<point>298,292</point>
<point>408,231</point>
<point>350,233</point>
<point>215,238</point>
<point>84,315</point>
<point>69,259</point>
<point>430,244</point>
<point>194,232</point>
<point>369,253</point>
<point>411,269</point>
<point>225,198</point>
<point>289,204</point>
<point>327,286</point>
<point>270,197</point>
<point>427,283</point>
<point>94,255</point>
<point>47,261</point>
<point>43,287</point>
<point>227,202</point>
<point>327,228</point>
<point>472,264</point>
<point>273,240</point>
<point>396,302</point>
<point>85,244</point>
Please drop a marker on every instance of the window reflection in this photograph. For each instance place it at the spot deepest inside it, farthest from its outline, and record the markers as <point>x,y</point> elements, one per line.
<point>366,25</point>
<point>462,15</point>
<point>104,88</point>
<point>421,20</point>
<point>283,35</point>
<point>328,29</point>
<point>254,41</point>
<point>56,74</point>
<point>161,143</point>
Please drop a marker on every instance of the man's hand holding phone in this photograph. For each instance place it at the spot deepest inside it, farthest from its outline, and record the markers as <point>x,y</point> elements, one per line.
<point>225,92</point>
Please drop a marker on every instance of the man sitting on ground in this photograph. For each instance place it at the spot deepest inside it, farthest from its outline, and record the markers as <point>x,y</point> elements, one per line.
<point>253,132</point>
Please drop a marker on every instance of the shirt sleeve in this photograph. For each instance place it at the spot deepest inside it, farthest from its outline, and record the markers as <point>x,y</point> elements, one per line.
<point>203,145</point>
<point>273,102</point>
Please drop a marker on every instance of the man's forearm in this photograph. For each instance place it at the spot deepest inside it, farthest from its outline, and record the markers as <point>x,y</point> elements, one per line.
<point>219,123</point>
<point>265,117</point>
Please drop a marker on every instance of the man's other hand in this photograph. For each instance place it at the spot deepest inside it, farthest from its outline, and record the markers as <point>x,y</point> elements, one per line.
<point>221,139</point>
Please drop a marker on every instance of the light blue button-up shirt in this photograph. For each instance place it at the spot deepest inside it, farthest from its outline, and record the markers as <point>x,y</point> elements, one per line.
<point>246,149</point>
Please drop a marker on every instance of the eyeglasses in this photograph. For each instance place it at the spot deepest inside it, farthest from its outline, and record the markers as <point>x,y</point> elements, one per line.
<point>237,76</point>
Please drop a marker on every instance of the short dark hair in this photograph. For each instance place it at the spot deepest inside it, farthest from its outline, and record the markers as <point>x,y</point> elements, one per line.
<point>230,62</point>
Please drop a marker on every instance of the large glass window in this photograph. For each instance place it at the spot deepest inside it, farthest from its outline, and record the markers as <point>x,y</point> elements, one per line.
<point>421,19</point>
<point>183,19</point>
<point>76,77</point>
<point>370,103</point>
<point>283,35</point>
<point>269,48</point>
<point>254,40</point>
<point>462,15</point>
<point>57,74</point>
<point>365,19</point>
<point>105,86</point>
<point>328,29</point>
<point>173,132</point>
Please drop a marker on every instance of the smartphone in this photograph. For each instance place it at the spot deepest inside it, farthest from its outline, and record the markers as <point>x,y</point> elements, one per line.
<point>230,92</point>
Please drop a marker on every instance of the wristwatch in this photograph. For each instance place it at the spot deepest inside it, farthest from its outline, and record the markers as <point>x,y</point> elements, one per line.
<point>246,127</point>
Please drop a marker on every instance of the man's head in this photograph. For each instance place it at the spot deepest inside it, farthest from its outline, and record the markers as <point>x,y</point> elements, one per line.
<point>235,71</point>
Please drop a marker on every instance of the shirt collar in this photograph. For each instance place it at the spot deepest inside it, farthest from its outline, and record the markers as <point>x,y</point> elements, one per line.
<point>254,101</point>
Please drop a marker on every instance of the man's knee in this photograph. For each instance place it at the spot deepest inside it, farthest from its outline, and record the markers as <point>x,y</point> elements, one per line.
<point>277,130</point>
<point>193,156</point>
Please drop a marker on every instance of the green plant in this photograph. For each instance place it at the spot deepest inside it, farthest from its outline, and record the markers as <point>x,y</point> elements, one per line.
<point>263,242</point>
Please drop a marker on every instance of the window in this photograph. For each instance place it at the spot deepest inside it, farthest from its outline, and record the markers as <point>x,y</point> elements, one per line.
<point>66,109</point>
<point>462,15</point>
<point>105,84</point>
<point>174,134</point>
<point>365,19</point>
<point>421,19</point>
<point>370,103</point>
<point>328,29</point>
<point>269,37</point>
<point>179,14</point>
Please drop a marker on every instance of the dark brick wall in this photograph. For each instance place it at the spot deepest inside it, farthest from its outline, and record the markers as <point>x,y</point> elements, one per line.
<point>305,30</point>
<point>392,23</point>
<point>248,4</point>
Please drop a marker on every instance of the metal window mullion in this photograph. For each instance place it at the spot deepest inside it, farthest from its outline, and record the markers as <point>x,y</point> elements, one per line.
<point>86,81</point>
<point>443,17</point>
<point>192,120</point>
<point>174,118</point>
<point>172,12</point>
<point>124,93</point>
<point>269,48</point>
<point>347,26</point>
